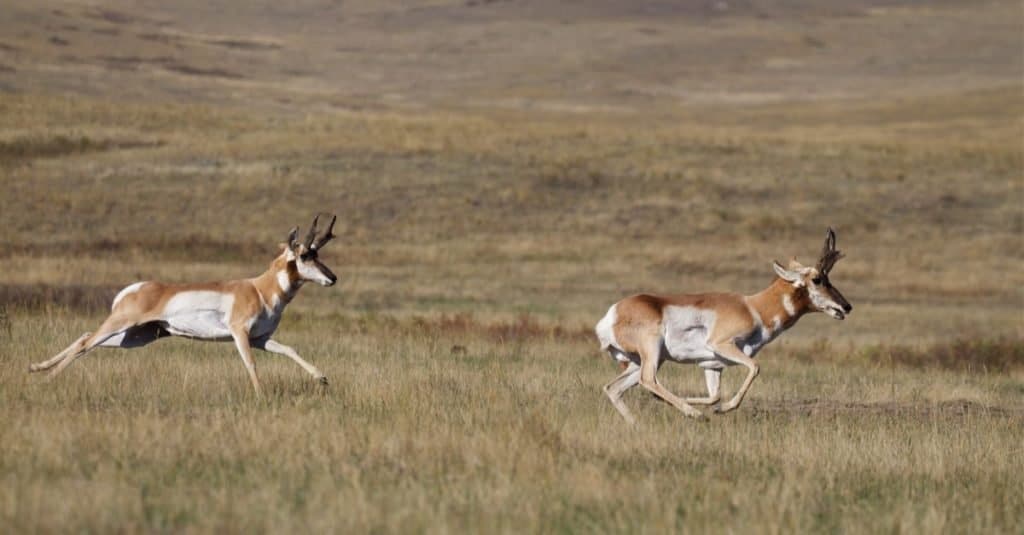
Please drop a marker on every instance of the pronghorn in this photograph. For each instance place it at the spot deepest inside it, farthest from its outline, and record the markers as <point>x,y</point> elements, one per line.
<point>245,311</point>
<point>712,330</point>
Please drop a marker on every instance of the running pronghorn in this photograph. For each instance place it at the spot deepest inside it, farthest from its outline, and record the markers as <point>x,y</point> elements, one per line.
<point>712,330</point>
<point>245,311</point>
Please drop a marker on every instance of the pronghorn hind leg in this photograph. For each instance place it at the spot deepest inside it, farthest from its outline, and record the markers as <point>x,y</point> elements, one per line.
<point>47,364</point>
<point>112,326</point>
<point>713,378</point>
<point>136,336</point>
<point>614,390</point>
<point>650,357</point>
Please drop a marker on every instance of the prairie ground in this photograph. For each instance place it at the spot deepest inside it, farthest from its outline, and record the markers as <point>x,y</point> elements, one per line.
<point>503,172</point>
<point>511,433</point>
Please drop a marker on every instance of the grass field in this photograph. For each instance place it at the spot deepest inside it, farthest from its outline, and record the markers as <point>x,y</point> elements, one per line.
<point>512,434</point>
<point>502,173</point>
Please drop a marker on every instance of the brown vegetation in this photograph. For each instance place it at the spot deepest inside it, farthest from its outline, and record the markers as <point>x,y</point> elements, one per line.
<point>503,171</point>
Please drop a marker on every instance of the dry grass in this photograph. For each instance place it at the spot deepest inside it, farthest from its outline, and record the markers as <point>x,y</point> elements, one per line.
<point>503,171</point>
<point>512,435</point>
<point>476,252</point>
<point>547,215</point>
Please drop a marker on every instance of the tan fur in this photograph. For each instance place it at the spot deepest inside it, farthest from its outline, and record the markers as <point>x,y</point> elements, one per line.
<point>639,331</point>
<point>639,317</point>
<point>768,303</point>
<point>149,301</point>
<point>252,298</point>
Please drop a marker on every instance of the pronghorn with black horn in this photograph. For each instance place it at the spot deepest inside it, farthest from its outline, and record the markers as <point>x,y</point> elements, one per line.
<point>712,330</point>
<point>245,311</point>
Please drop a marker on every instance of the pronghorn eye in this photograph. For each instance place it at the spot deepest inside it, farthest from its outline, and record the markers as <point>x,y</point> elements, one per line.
<point>816,280</point>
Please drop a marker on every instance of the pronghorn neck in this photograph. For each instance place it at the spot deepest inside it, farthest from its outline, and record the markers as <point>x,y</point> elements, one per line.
<point>279,283</point>
<point>779,305</point>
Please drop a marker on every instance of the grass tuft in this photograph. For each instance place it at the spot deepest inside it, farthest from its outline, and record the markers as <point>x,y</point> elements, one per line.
<point>55,146</point>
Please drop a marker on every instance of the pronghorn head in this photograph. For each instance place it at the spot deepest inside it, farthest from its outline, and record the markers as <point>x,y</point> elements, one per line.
<point>305,254</point>
<point>822,295</point>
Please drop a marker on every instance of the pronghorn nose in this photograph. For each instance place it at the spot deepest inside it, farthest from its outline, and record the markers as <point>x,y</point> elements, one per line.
<point>847,308</point>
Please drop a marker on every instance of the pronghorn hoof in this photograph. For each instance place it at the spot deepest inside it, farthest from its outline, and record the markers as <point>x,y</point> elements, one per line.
<point>322,380</point>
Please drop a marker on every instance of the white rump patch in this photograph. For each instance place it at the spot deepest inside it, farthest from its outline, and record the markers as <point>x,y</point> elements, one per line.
<point>605,329</point>
<point>130,289</point>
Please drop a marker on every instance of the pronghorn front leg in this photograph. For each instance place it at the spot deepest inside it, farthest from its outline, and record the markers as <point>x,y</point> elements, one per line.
<point>729,351</point>
<point>241,337</point>
<point>112,326</point>
<point>273,346</point>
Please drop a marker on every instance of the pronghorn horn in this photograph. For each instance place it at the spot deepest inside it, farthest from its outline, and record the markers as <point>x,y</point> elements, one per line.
<point>308,242</point>
<point>829,254</point>
<point>327,235</point>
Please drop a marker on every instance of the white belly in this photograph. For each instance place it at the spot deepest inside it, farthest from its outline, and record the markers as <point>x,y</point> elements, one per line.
<point>686,334</point>
<point>199,314</point>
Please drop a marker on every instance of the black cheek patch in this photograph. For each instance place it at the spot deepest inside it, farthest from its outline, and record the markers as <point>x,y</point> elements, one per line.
<point>325,270</point>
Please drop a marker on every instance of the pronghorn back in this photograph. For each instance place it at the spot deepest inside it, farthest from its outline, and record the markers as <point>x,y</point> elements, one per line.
<point>632,320</point>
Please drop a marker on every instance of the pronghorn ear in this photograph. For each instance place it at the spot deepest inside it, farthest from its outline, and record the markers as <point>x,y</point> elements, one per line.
<point>291,243</point>
<point>790,276</point>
